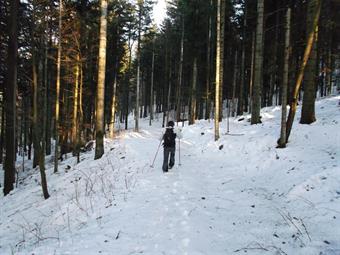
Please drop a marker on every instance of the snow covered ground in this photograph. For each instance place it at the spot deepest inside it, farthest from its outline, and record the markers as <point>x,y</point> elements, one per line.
<point>245,197</point>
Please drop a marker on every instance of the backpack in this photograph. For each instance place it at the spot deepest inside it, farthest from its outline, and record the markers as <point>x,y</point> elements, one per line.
<point>169,138</point>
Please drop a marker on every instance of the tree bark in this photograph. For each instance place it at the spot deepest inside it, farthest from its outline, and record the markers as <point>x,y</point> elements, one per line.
<point>80,113</point>
<point>48,98</point>
<point>233,99</point>
<point>75,129</point>
<point>310,40</point>
<point>2,129</point>
<point>152,82</point>
<point>282,140</point>
<point>218,72</point>
<point>56,147</point>
<point>251,78</point>
<point>140,4</point>
<point>222,30</point>
<point>193,93</point>
<point>180,76</point>
<point>240,105</point>
<point>10,98</point>
<point>207,86</point>
<point>39,152</point>
<point>258,74</point>
<point>310,77</point>
<point>114,102</point>
<point>101,82</point>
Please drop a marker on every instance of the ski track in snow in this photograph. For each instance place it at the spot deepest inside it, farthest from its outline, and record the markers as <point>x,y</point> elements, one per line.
<point>245,197</point>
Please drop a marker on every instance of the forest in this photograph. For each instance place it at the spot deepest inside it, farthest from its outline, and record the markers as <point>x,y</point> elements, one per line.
<point>76,74</point>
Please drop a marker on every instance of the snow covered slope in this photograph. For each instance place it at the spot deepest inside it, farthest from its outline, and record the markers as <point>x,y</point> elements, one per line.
<point>243,197</point>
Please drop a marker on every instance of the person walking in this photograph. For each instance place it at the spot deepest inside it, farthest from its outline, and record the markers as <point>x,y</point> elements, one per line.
<point>169,144</point>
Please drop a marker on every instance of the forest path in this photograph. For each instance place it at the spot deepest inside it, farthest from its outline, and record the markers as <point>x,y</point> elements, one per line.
<point>195,208</point>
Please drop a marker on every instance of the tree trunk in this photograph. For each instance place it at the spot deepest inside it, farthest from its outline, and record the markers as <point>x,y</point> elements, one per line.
<point>137,95</point>
<point>49,103</point>
<point>10,98</point>
<point>101,82</point>
<point>127,89</point>
<point>218,72</point>
<point>75,129</point>
<point>80,113</point>
<point>258,75</point>
<point>30,130</point>
<point>222,30</point>
<point>114,102</point>
<point>2,129</point>
<point>308,49</point>
<point>168,108</point>
<point>240,105</point>
<point>233,99</point>
<point>38,150</point>
<point>44,111</point>
<point>251,78</point>
<point>140,3</point>
<point>310,77</point>
<point>274,60</point>
<point>282,140</point>
<point>180,76</point>
<point>56,147</point>
<point>207,86</point>
<point>329,68</point>
<point>193,93</point>
<point>152,81</point>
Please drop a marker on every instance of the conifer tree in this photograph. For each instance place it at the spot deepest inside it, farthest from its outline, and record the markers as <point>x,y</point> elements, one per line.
<point>101,82</point>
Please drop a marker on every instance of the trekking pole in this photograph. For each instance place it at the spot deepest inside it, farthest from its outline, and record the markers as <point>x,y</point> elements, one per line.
<point>179,152</point>
<point>153,162</point>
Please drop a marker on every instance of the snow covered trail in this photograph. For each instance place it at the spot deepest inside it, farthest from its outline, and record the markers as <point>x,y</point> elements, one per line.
<point>237,195</point>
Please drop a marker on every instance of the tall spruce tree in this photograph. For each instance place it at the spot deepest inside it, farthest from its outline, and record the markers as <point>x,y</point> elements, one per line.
<point>101,82</point>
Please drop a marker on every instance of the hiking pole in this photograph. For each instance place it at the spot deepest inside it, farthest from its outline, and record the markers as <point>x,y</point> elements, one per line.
<point>153,162</point>
<point>179,152</point>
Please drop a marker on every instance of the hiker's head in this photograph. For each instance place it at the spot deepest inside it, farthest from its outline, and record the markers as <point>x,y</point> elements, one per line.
<point>171,123</point>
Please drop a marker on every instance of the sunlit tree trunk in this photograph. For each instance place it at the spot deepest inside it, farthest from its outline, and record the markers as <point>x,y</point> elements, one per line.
<point>140,3</point>
<point>10,98</point>
<point>282,140</point>
<point>101,82</point>
<point>75,129</point>
<point>218,71</point>
<point>56,147</point>
<point>258,74</point>
<point>308,49</point>
<point>222,29</point>
<point>80,113</point>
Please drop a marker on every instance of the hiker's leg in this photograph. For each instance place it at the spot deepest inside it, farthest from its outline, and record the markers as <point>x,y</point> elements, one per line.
<point>166,159</point>
<point>172,157</point>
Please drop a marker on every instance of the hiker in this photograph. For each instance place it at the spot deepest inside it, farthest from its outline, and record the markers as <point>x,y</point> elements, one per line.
<point>169,144</point>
